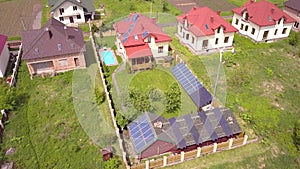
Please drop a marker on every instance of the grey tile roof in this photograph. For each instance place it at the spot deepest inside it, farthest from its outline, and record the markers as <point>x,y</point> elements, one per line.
<point>52,40</point>
<point>86,4</point>
<point>294,4</point>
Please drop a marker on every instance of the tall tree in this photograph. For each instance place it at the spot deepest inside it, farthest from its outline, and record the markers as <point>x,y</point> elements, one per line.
<point>173,97</point>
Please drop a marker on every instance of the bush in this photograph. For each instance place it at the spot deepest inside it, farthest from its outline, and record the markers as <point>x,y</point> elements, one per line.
<point>100,95</point>
<point>112,163</point>
<point>293,38</point>
<point>173,96</point>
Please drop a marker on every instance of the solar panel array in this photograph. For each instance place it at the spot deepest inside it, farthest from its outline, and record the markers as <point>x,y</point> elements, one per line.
<point>141,133</point>
<point>131,27</point>
<point>200,96</point>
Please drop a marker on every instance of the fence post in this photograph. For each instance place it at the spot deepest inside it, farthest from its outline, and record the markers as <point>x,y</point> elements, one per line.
<point>198,151</point>
<point>165,160</point>
<point>182,156</point>
<point>147,164</point>
<point>230,143</point>
<point>245,139</point>
<point>215,147</point>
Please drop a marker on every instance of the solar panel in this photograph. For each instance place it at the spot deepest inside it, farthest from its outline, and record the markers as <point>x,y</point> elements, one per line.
<point>141,133</point>
<point>177,133</point>
<point>192,128</point>
<point>200,96</point>
<point>144,34</point>
<point>135,17</point>
<point>206,26</point>
<point>223,122</point>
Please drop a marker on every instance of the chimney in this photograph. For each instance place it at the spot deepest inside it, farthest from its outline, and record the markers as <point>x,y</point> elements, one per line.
<point>194,7</point>
<point>272,10</point>
<point>211,19</point>
<point>219,12</point>
<point>276,5</point>
<point>251,1</point>
<point>66,33</point>
<point>158,124</point>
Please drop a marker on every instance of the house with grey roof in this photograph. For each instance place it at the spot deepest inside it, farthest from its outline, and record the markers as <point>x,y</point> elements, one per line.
<point>292,8</point>
<point>153,135</point>
<point>72,12</point>
<point>54,48</point>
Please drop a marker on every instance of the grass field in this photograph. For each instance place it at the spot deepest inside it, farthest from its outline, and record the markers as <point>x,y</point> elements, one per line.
<point>242,2</point>
<point>59,122</point>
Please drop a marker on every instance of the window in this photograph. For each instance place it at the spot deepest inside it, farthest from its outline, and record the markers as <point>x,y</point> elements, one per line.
<point>275,33</point>
<point>296,24</point>
<point>242,26</point>
<point>187,36</point>
<point>253,31</point>
<point>183,35</point>
<point>61,10</point>
<point>61,18</point>
<point>59,47</point>
<point>216,42</point>
<point>193,39</point>
<point>236,21</point>
<point>219,29</point>
<point>160,49</point>
<point>204,44</point>
<point>180,28</point>
<point>149,39</point>
<point>74,8</point>
<point>78,16</point>
<point>226,39</point>
<point>63,62</point>
<point>246,28</point>
<point>246,16</point>
<point>284,30</point>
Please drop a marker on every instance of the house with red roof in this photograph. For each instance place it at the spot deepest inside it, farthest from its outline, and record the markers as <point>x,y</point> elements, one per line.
<point>140,40</point>
<point>54,48</point>
<point>262,21</point>
<point>202,29</point>
<point>4,55</point>
<point>292,8</point>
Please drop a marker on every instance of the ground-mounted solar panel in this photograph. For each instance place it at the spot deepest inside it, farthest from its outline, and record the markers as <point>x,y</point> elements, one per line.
<point>223,122</point>
<point>192,128</point>
<point>177,133</point>
<point>208,126</point>
<point>200,96</point>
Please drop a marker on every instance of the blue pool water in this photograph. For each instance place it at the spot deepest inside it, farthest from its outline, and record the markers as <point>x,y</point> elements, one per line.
<point>108,57</point>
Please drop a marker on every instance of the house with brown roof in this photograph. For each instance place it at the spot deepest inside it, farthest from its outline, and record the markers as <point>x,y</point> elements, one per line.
<point>72,12</point>
<point>54,48</point>
<point>262,21</point>
<point>140,40</point>
<point>4,55</point>
<point>202,29</point>
<point>292,8</point>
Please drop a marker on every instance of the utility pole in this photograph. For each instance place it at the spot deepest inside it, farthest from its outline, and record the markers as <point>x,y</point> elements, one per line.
<point>217,78</point>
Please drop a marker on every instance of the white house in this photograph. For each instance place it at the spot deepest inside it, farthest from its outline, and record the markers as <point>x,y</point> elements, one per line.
<point>4,55</point>
<point>262,21</point>
<point>140,40</point>
<point>202,29</point>
<point>71,12</point>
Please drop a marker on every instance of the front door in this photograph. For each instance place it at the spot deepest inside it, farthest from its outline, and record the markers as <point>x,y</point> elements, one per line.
<point>76,62</point>
<point>204,44</point>
<point>265,36</point>
<point>71,19</point>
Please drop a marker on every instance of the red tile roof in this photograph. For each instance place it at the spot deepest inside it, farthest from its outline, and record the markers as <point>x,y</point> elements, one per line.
<point>263,13</point>
<point>294,4</point>
<point>135,28</point>
<point>203,21</point>
<point>3,39</point>
<point>138,51</point>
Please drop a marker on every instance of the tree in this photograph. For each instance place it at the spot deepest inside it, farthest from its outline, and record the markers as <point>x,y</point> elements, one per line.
<point>164,5</point>
<point>293,38</point>
<point>8,98</point>
<point>121,121</point>
<point>173,97</point>
<point>112,163</point>
<point>296,136</point>
<point>100,95</point>
<point>139,100</point>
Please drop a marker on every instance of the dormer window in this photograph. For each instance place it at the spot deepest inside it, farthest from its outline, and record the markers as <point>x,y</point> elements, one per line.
<point>149,39</point>
<point>246,16</point>
<point>136,37</point>
<point>219,30</point>
<point>74,8</point>
<point>281,19</point>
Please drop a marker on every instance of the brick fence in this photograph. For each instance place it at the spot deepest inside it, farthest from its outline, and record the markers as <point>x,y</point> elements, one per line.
<point>200,151</point>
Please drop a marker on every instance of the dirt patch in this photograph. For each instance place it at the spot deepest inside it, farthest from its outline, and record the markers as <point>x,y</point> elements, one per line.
<point>14,12</point>
<point>186,5</point>
<point>272,90</point>
<point>268,86</point>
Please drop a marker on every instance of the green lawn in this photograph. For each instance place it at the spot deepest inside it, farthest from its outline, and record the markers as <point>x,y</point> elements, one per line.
<point>58,122</point>
<point>242,2</point>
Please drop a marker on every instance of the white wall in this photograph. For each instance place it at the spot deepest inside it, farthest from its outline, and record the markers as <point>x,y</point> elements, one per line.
<point>197,45</point>
<point>69,12</point>
<point>4,57</point>
<point>259,31</point>
<point>154,47</point>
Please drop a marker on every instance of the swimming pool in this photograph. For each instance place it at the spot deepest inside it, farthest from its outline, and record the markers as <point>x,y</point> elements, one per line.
<point>108,57</point>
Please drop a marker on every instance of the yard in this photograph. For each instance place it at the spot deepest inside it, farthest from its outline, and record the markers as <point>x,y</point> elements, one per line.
<point>59,122</point>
